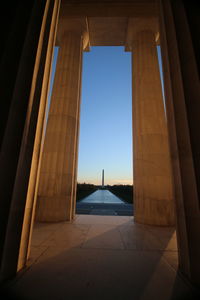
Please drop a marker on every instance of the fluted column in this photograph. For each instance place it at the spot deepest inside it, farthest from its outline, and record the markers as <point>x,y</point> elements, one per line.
<point>153,198</point>
<point>25,87</point>
<point>179,37</point>
<point>55,194</point>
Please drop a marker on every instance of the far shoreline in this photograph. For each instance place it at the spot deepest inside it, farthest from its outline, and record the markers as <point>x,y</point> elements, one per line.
<point>124,192</point>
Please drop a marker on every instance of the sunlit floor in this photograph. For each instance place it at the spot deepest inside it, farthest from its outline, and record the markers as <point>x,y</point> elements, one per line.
<point>101,257</point>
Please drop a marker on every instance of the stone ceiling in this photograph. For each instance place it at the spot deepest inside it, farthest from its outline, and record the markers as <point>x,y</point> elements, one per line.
<point>107,21</point>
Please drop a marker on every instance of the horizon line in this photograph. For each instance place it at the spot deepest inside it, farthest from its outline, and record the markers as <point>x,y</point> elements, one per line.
<point>104,184</point>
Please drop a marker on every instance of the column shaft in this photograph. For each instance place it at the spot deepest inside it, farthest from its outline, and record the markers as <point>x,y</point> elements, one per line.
<point>24,89</point>
<point>57,168</point>
<point>153,199</point>
<point>52,15</point>
<point>179,36</point>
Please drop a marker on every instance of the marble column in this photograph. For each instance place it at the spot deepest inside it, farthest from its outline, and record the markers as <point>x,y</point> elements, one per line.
<point>29,212</point>
<point>24,85</point>
<point>153,189</point>
<point>76,162</point>
<point>55,193</point>
<point>179,40</point>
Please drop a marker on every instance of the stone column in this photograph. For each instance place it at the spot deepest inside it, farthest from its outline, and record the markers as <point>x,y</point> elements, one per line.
<point>23,88</point>
<point>76,160</point>
<point>179,40</point>
<point>29,212</point>
<point>153,190</point>
<point>55,195</point>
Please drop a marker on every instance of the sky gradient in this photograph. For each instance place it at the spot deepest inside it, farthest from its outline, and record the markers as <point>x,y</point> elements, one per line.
<point>106,122</point>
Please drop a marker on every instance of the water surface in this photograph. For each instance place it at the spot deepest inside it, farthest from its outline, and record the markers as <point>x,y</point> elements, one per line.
<point>102,196</point>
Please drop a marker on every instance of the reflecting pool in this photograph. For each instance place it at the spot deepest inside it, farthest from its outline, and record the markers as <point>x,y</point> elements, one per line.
<point>102,196</point>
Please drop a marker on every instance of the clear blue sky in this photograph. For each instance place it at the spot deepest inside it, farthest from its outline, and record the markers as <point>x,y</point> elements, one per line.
<point>106,116</point>
<point>106,123</point>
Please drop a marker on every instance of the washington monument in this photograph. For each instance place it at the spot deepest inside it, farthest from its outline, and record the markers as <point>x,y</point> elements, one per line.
<point>102,179</point>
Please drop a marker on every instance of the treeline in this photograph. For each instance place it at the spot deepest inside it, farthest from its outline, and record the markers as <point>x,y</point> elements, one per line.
<point>84,189</point>
<point>125,192</point>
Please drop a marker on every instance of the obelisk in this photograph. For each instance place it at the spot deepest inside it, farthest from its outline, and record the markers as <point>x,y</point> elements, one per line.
<point>103,179</point>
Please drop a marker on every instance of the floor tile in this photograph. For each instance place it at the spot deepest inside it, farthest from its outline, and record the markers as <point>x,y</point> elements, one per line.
<point>101,257</point>
<point>103,236</point>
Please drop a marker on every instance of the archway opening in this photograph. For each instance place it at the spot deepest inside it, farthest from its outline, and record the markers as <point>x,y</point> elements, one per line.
<point>105,172</point>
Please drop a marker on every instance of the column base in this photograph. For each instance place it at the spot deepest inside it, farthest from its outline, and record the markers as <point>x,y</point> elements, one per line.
<point>53,209</point>
<point>157,212</point>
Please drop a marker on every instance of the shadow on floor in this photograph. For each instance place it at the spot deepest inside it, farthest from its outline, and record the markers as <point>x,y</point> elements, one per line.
<point>101,258</point>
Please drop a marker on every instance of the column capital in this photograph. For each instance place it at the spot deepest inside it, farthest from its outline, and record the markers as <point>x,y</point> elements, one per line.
<point>137,25</point>
<point>78,26</point>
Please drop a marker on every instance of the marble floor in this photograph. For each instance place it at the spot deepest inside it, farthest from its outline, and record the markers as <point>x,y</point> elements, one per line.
<point>101,257</point>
